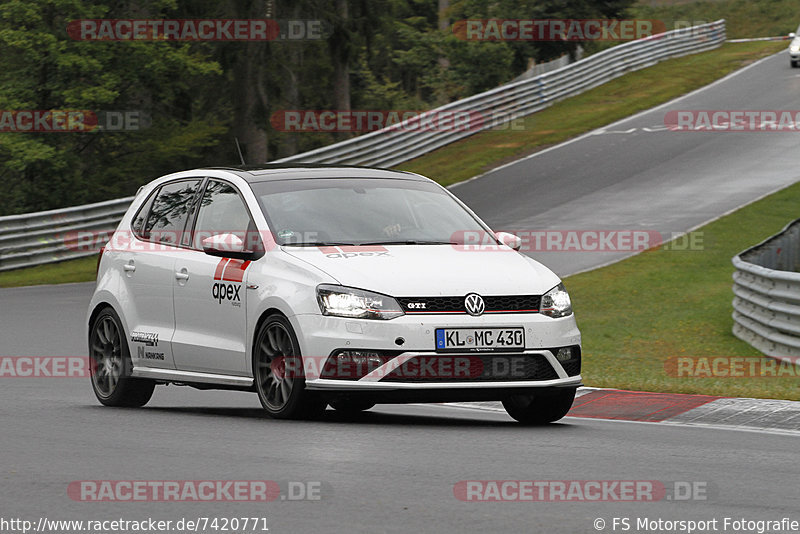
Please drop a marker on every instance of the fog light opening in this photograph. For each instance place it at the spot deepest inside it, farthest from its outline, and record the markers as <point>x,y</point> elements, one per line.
<point>564,354</point>
<point>353,364</point>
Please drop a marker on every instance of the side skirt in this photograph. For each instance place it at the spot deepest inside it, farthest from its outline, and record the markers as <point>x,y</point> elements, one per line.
<point>195,379</point>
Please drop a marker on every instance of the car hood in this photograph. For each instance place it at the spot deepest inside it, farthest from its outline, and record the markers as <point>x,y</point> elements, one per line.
<point>429,270</point>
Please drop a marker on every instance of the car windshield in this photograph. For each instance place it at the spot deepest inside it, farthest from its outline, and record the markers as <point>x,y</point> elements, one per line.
<point>358,211</point>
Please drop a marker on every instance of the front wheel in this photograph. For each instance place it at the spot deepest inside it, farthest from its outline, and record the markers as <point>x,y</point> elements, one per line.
<point>539,409</point>
<point>793,63</point>
<point>278,372</point>
<point>110,364</point>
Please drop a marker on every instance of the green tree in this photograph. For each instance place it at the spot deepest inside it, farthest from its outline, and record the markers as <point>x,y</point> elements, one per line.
<point>199,96</point>
<point>42,68</point>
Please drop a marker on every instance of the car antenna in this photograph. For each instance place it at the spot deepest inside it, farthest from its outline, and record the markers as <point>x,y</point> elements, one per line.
<point>240,151</point>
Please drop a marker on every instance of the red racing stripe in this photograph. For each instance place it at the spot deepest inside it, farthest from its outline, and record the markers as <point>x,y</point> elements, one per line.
<point>220,267</point>
<point>234,272</point>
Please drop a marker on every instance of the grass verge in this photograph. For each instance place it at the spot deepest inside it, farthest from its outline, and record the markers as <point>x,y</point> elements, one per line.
<point>64,272</point>
<point>636,314</point>
<point>743,18</point>
<point>617,99</point>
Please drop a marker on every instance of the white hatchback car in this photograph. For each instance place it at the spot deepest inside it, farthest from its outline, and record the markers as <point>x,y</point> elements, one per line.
<point>317,285</point>
<point>794,49</point>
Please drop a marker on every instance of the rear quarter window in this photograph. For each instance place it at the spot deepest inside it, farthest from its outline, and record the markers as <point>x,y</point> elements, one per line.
<point>138,220</point>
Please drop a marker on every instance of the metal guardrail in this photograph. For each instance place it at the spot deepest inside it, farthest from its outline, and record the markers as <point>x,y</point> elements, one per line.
<point>393,145</point>
<point>50,236</point>
<point>766,289</point>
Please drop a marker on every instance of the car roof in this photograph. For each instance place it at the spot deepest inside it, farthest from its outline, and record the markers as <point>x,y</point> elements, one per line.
<point>300,171</point>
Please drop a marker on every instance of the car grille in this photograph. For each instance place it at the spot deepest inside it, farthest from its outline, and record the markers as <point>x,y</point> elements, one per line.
<point>494,304</point>
<point>572,367</point>
<point>474,367</point>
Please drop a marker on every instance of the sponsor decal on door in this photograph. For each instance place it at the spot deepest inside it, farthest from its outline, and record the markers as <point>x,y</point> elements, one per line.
<point>228,281</point>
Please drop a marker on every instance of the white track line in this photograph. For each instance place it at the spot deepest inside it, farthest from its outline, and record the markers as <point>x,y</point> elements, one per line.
<point>596,131</point>
<point>636,115</point>
<point>775,431</point>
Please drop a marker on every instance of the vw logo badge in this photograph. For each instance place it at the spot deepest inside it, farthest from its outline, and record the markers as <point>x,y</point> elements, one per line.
<point>474,304</point>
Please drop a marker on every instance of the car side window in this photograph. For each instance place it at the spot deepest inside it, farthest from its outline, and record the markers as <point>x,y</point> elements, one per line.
<point>222,211</point>
<point>171,207</point>
<point>141,215</point>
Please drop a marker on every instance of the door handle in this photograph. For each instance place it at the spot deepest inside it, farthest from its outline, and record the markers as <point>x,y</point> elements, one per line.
<point>181,275</point>
<point>129,267</point>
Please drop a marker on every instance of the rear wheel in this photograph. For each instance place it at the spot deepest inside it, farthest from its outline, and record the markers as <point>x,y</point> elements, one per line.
<point>278,372</point>
<point>540,409</point>
<point>111,366</point>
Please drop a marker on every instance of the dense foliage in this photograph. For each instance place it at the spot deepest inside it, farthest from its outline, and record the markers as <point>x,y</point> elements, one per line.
<point>196,97</point>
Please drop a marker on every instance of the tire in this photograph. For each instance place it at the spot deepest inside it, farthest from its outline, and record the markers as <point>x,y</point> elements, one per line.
<point>793,63</point>
<point>351,406</point>
<point>540,410</point>
<point>110,364</point>
<point>281,395</point>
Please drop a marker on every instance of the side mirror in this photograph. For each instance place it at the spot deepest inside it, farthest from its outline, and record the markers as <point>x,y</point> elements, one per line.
<point>509,240</point>
<point>226,246</point>
<point>792,35</point>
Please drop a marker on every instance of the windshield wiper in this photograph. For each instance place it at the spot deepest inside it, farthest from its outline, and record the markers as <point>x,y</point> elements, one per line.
<point>368,244</point>
<point>409,242</point>
<point>318,244</point>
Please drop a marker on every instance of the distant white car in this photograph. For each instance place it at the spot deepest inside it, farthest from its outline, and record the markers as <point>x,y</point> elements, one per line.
<point>794,49</point>
<point>312,286</point>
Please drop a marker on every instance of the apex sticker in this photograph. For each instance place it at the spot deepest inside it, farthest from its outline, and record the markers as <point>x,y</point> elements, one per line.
<point>231,271</point>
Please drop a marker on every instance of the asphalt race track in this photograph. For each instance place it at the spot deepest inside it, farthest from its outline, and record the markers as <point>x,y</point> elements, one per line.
<point>637,175</point>
<point>394,469</point>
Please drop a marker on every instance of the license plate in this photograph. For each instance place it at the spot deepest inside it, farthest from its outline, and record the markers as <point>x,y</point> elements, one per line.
<point>480,339</point>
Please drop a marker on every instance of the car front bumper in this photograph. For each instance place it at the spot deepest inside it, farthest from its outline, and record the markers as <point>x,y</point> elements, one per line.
<point>412,337</point>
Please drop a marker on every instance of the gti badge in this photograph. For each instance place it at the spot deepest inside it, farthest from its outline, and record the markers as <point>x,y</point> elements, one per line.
<point>474,304</point>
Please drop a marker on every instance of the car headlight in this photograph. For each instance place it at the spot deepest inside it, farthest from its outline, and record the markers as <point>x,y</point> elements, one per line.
<point>794,49</point>
<point>356,303</point>
<point>556,302</point>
